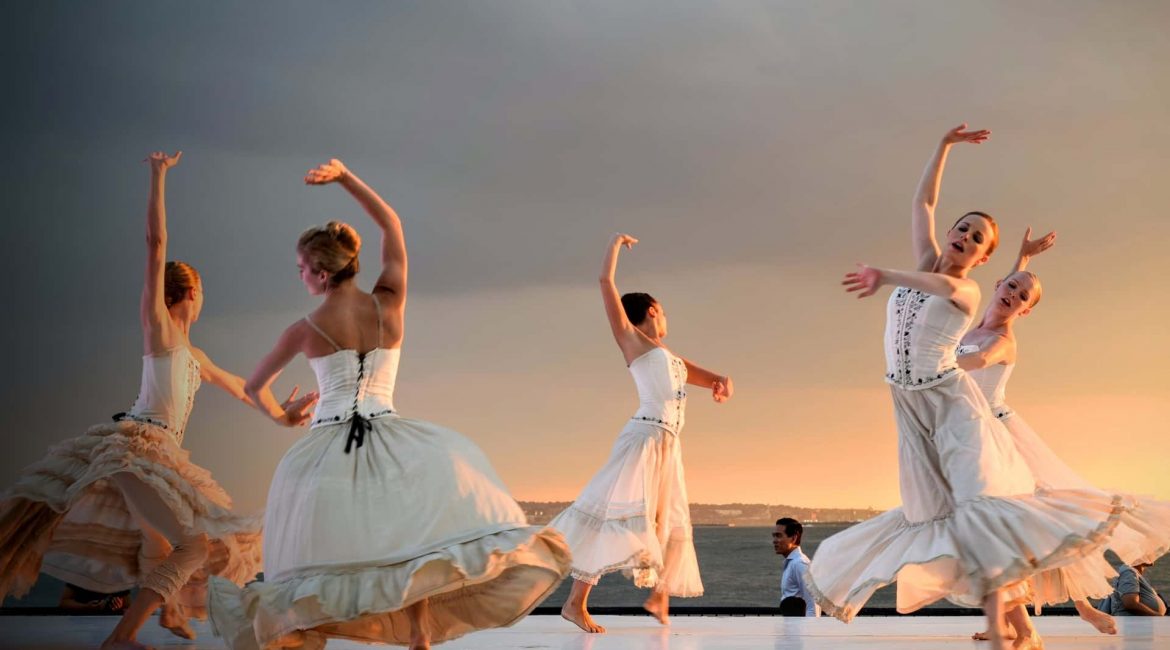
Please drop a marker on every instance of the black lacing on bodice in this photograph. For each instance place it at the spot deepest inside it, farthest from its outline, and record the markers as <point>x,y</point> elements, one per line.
<point>359,425</point>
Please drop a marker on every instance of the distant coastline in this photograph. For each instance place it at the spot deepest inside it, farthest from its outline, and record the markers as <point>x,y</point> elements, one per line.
<point>729,514</point>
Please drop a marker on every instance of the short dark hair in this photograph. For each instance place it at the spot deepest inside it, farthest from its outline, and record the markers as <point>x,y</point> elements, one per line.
<point>636,306</point>
<point>792,528</point>
<point>793,606</point>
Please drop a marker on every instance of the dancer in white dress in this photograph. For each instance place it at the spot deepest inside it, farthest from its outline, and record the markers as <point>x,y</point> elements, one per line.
<point>973,526</point>
<point>633,516</point>
<point>380,528</point>
<point>988,352</point>
<point>103,510</point>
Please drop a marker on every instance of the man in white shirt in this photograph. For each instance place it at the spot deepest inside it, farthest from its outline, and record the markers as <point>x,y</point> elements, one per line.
<point>786,541</point>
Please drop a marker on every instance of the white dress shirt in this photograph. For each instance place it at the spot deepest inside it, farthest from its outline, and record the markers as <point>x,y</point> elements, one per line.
<point>792,581</point>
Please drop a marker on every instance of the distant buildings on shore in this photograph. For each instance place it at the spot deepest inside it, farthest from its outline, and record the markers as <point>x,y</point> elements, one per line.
<point>727,514</point>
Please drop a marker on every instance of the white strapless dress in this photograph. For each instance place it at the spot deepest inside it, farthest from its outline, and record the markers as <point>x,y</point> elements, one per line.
<point>633,515</point>
<point>972,519</point>
<point>1142,536</point>
<point>63,516</point>
<point>372,512</point>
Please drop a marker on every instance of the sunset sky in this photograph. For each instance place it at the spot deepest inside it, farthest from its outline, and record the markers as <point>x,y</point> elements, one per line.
<point>757,149</point>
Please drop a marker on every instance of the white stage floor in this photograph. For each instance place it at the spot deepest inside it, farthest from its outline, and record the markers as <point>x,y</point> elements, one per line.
<point>630,633</point>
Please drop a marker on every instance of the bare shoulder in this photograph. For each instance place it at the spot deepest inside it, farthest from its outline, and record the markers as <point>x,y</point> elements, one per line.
<point>296,332</point>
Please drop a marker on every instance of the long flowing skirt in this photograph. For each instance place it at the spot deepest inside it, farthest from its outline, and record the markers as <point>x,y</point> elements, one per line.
<point>353,539</point>
<point>1142,536</point>
<point>972,520</point>
<point>66,518</point>
<point>633,516</point>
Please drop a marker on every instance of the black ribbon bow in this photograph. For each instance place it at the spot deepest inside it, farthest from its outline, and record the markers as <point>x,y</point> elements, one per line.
<point>358,427</point>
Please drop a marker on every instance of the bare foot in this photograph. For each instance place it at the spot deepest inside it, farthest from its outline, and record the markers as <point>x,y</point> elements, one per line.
<point>1008,634</point>
<point>659,607</point>
<point>1100,620</point>
<point>580,617</point>
<point>111,644</point>
<point>1030,642</point>
<point>172,620</point>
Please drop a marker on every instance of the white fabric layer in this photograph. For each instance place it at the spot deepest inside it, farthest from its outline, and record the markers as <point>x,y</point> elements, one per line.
<point>410,511</point>
<point>973,519</point>
<point>1143,534</point>
<point>633,515</point>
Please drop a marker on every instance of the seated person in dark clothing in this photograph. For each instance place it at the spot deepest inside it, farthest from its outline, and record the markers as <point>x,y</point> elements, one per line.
<point>78,599</point>
<point>1133,595</point>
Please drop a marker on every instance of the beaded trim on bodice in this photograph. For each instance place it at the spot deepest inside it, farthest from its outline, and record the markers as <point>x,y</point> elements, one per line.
<point>191,381</point>
<point>668,413</point>
<point>907,339</point>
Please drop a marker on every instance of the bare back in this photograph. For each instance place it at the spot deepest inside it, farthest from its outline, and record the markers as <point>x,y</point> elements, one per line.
<point>350,320</point>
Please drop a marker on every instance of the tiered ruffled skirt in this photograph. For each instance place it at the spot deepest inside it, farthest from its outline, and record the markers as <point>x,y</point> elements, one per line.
<point>1142,535</point>
<point>65,518</point>
<point>973,518</point>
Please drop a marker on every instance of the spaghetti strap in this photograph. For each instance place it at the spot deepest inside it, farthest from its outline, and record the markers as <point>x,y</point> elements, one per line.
<point>322,333</point>
<point>378,311</point>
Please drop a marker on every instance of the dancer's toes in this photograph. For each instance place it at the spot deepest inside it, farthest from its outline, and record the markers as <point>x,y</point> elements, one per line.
<point>979,636</point>
<point>580,617</point>
<point>659,608</point>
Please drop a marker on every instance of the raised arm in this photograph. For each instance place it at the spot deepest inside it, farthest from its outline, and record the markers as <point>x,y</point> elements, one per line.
<point>152,310</point>
<point>721,386</point>
<point>293,413</point>
<point>999,350</point>
<point>631,342</point>
<point>926,249</point>
<point>867,280</point>
<point>1030,248</point>
<point>392,279</point>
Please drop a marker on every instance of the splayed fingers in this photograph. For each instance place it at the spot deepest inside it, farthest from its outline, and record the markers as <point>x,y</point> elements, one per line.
<point>1032,247</point>
<point>865,281</point>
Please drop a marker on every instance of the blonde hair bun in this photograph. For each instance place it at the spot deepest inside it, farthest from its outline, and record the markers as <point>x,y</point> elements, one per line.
<point>333,248</point>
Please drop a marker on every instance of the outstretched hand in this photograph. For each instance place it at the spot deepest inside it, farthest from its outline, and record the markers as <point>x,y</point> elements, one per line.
<point>959,134</point>
<point>622,239</point>
<point>722,389</point>
<point>297,412</point>
<point>1033,247</point>
<point>866,280</point>
<point>160,161</point>
<point>330,172</point>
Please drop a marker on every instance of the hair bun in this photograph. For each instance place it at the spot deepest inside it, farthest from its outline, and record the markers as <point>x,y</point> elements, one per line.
<point>344,234</point>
